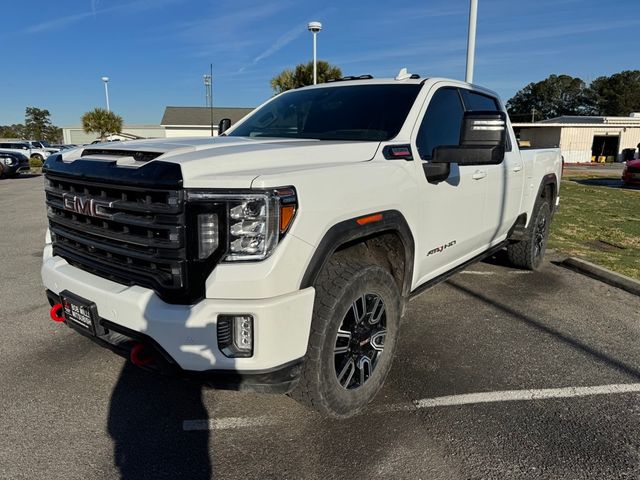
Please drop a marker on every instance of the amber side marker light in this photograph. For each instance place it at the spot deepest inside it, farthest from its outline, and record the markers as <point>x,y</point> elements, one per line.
<point>369,219</point>
<point>287,212</point>
<point>288,207</point>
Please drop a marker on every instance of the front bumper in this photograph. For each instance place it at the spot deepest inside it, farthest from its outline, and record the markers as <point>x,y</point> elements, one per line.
<point>186,335</point>
<point>18,168</point>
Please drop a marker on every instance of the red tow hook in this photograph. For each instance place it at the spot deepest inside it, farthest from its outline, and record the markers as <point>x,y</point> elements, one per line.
<point>56,313</point>
<point>141,355</point>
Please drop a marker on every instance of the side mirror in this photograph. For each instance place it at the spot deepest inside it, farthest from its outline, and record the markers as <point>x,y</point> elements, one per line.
<point>224,125</point>
<point>482,140</point>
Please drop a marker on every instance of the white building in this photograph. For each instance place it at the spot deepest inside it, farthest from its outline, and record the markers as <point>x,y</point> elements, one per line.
<point>584,139</point>
<point>196,121</point>
<point>176,122</point>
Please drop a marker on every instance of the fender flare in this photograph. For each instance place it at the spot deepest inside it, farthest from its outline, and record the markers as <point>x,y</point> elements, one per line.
<point>347,231</point>
<point>549,179</point>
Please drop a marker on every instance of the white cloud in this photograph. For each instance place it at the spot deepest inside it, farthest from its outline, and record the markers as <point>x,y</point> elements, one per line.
<point>61,22</point>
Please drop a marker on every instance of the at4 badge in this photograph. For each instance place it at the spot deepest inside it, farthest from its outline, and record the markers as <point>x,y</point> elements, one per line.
<point>441,248</point>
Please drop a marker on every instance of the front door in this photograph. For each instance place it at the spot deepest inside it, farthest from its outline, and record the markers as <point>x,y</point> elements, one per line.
<point>452,210</point>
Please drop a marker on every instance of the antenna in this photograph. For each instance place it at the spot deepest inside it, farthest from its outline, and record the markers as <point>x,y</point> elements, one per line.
<point>403,74</point>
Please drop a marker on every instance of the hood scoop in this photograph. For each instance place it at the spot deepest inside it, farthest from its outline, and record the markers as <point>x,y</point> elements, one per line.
<point>137,155</point>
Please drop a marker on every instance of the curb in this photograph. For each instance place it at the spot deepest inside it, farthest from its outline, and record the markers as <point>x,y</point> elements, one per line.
<point>603,274</point>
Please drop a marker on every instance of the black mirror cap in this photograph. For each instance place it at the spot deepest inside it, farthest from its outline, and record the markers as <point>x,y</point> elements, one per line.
<point>224,125</point>
<point>469,155</point>
<point>436,172</point>
<point>484,128</point>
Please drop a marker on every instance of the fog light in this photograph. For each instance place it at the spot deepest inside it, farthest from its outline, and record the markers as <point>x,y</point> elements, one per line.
<point>235,335</point>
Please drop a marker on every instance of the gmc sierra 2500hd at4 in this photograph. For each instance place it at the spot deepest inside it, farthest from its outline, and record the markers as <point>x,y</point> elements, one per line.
<point>281,255</point>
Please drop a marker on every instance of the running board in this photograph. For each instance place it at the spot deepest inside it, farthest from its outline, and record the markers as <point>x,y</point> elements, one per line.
<point>441,278</point>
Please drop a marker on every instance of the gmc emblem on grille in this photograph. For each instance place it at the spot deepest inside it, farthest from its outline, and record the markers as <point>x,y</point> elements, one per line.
<point>86,206</point>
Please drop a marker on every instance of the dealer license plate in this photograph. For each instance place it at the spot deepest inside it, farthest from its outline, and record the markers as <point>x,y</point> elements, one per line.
<point>79,313</point>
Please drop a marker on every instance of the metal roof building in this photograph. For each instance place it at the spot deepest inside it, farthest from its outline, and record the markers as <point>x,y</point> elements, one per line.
<point>584,139</point>
<point>196,121</point>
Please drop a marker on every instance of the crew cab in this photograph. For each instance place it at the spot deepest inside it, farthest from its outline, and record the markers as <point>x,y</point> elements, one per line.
<point>281,255</point>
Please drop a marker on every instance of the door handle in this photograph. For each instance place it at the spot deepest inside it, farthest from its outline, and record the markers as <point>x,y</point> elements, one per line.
<point>479,175</point>
<point>517,168</point>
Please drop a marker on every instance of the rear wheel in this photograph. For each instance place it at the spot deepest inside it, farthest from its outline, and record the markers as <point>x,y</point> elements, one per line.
<point>529,252</point>
<point>353,336</point>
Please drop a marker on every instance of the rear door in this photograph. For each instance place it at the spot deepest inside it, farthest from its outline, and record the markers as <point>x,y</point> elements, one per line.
<point>504,181</point>
<point>452,210</point>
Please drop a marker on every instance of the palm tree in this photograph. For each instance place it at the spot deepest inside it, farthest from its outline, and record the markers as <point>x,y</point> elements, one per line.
<point>303,75</point>
<point>102,122</point>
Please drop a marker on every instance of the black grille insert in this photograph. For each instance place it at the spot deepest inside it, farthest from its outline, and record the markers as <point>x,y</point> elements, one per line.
<point>136,236</point>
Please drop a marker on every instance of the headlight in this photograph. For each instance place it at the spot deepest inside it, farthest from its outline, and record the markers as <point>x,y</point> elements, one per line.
<point>255,222</point>
<point>8,160</point>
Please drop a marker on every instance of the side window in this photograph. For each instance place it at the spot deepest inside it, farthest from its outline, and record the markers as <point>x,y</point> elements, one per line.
<point>477,101</point>
<point>441,123</point>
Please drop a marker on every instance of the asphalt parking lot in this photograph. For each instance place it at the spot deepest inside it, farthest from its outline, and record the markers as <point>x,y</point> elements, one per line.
<point>499,374</point>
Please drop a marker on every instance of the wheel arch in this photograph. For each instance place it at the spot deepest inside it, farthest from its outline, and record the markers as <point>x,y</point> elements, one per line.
<point>352,234</point>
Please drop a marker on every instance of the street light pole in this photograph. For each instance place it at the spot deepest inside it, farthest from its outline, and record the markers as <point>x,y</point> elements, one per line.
<point>471,40</point>
<point>106,91</point>
<point>315,27</point>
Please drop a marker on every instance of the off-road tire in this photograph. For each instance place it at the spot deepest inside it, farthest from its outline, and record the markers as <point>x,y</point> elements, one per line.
<point>38,157</point>
<point>529,252</point>
<point>343,281</point>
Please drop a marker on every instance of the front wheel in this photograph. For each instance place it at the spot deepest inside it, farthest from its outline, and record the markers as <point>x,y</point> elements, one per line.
<point>529,252</point>
<point>353,336</point>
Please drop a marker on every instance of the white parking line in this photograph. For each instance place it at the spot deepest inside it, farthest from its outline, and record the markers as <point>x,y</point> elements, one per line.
<point>227,423</point>
<point>520,395</point>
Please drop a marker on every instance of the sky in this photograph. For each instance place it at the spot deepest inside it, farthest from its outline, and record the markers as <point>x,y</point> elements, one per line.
<point>156,51</point>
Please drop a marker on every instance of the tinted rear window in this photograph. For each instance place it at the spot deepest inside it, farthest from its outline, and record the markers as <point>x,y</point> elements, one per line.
<point>357,112</point>
<point>477,101</point>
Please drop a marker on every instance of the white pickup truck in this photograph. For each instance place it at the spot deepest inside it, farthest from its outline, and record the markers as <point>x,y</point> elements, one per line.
<point>281,255</point>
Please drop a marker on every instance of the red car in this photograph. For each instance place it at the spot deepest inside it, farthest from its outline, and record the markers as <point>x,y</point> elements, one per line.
<point>631,173</point>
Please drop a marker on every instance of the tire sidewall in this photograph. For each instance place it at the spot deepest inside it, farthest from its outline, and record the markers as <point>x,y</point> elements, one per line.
<point>370,280</point>
<point>542,209</point>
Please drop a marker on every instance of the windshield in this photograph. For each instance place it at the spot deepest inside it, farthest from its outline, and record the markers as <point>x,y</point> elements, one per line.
<point>355,112</point>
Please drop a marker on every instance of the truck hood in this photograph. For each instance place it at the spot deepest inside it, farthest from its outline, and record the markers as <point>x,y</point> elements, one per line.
<point>230,162</point>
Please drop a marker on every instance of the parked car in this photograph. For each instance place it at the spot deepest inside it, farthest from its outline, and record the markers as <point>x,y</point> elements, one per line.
<point>13,163</point>
<point>42,145</point>
<point>26,149</point>
<point>631,173</point>
<point>281,255</point>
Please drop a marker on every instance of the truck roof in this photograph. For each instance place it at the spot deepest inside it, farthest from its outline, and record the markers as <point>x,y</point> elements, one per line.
<point>367,80</point>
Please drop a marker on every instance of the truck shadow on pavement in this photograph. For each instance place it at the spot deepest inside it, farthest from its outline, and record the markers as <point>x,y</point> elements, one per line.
<point>144,423</point>
<point>566,339</point>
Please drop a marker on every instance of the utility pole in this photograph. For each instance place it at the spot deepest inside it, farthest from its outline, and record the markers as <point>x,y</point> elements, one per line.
<point>211,96</point>
<point>471,40</point>
<point>533,115</point>
<point>208,93</point>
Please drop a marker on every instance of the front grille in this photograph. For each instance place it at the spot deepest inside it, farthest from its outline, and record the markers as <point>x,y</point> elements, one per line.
<point>132,235</point>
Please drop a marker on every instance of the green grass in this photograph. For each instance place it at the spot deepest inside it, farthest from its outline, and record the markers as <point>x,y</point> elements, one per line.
<point>599,224</point>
